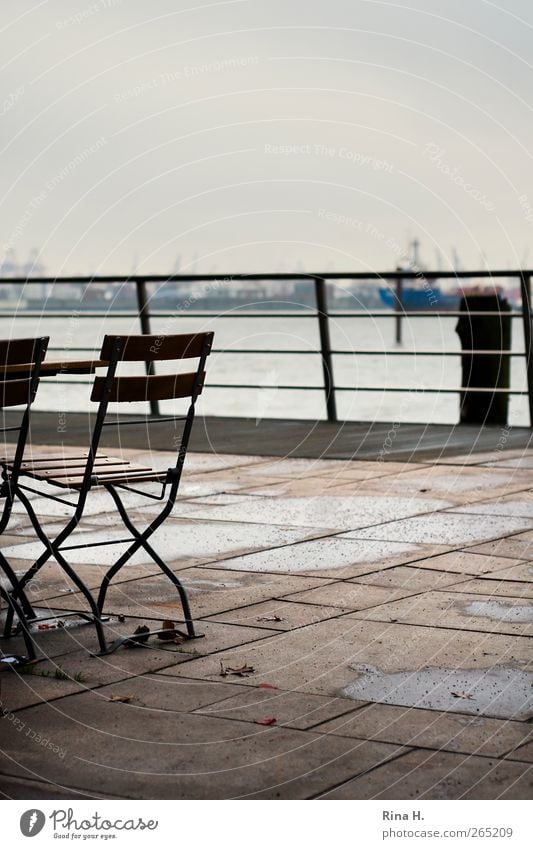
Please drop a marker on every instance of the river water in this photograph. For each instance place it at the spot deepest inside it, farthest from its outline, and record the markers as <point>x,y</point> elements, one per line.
<point>78,336</point>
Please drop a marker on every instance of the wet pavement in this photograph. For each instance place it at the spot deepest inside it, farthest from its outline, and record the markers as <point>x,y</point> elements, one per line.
<point>366,634</point>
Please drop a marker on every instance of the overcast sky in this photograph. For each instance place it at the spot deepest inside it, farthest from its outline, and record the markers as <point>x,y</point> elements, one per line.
<point>246,135</point>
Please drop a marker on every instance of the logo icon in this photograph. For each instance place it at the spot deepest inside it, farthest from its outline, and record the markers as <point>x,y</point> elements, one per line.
<point>32,822</point>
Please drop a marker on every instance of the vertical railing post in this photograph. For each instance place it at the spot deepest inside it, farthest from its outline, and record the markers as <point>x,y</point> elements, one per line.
<point>399,309</point>
<point>144,318</point>
<point>525,291</point>
<point>321,298</point>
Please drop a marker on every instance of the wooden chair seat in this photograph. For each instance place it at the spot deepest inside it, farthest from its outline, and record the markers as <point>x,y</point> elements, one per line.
<point>68,470</point>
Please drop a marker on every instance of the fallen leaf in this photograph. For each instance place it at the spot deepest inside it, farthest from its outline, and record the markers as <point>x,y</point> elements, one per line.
<point>268,687</point>
<point>120,698</point>
<point>241,672</point>
<point>167,632</point>
<point>121,617</point>
<point>462,695</point>
<point>270,720</point>
<point>140,636</point>
<point>270,619</point>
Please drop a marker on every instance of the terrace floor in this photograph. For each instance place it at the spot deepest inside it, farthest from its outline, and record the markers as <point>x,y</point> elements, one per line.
<point>366,636</point>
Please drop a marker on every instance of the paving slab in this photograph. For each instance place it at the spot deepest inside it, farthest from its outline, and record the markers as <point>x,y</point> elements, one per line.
<point>469,562</point>
<point>170,755</point>
<point>59,631</point>
<point>292,710</point>
<point>321,511</point>
<point>308,486</point>
<point>297,467</point>
<point>51,581</point>
<point>320,658</point>
<point>18,691</point>
<point>146,689</point>
<point>481,458</point>
<point>520,572</point>
<point>377,468</point>
<point>218,499</point>
<point>445,528</point>
<point>197,461</point>
<point>313,485</point>
<point>175,540</point>
<point>511,505</point>
<point>516,547</point>
<point>27,788</point>
<point>84,672</point>
<point>523,461</point>
<point>495,586</point>
<point>523,753</point>
<point>478,735</point>
<point>72,655</point>
<point>413,578</point>
<point>160,692</point>
<point>210,591</point>
<point>440,775</point>
<point>331,557</point>
<point>454,482</point>
<point>202,486</point>
<point>279,615</point>
<point>234,479</point>
<point>459,610</point>
<point>351,595</point>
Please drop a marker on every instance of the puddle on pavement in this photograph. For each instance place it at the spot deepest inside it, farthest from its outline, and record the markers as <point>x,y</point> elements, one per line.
<point>196,584</point>
<point>500,610</point>
<point>501,691</point>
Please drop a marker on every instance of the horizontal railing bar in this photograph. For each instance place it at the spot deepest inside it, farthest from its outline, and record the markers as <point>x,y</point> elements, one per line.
<point>300,388</point>
<point>422,314</point>
<point>436,390</point>
<point>359,352</point>
<point>311,313</point>
<point>366,388</point>
<point>414,353</point>
<point>325,275</point>
<point>369,351</point>
<point>362,351</point>
<point>278,314</point>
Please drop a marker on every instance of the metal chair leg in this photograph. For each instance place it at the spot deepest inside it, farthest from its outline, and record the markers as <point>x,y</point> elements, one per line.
<point>16,609</point>
<point>52,549</point>
<point>141,541</point>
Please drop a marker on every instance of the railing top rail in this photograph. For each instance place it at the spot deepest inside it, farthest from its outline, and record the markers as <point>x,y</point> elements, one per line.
<point>321,275</point>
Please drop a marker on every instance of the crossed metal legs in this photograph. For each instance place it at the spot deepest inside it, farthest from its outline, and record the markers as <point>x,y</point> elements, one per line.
<point>53,549</point>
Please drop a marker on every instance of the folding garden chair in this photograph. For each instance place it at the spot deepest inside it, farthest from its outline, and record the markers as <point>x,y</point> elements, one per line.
<point>92,470</point>
<point>17,389</point>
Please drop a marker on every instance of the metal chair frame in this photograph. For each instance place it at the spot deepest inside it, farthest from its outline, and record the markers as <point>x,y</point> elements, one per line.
<point>29,354</point>
<point>115,350</point>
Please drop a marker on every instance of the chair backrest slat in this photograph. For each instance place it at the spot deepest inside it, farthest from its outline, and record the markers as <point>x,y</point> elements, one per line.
<point>150,348</point>
<point>14,351</point>
<point>13,393</point>
<point>150,388</point>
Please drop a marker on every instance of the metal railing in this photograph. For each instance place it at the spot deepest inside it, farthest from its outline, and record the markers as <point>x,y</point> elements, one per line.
<point>322,314</point>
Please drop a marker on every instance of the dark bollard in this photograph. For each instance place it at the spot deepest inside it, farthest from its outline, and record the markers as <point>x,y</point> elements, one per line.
<point>485,333</point>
